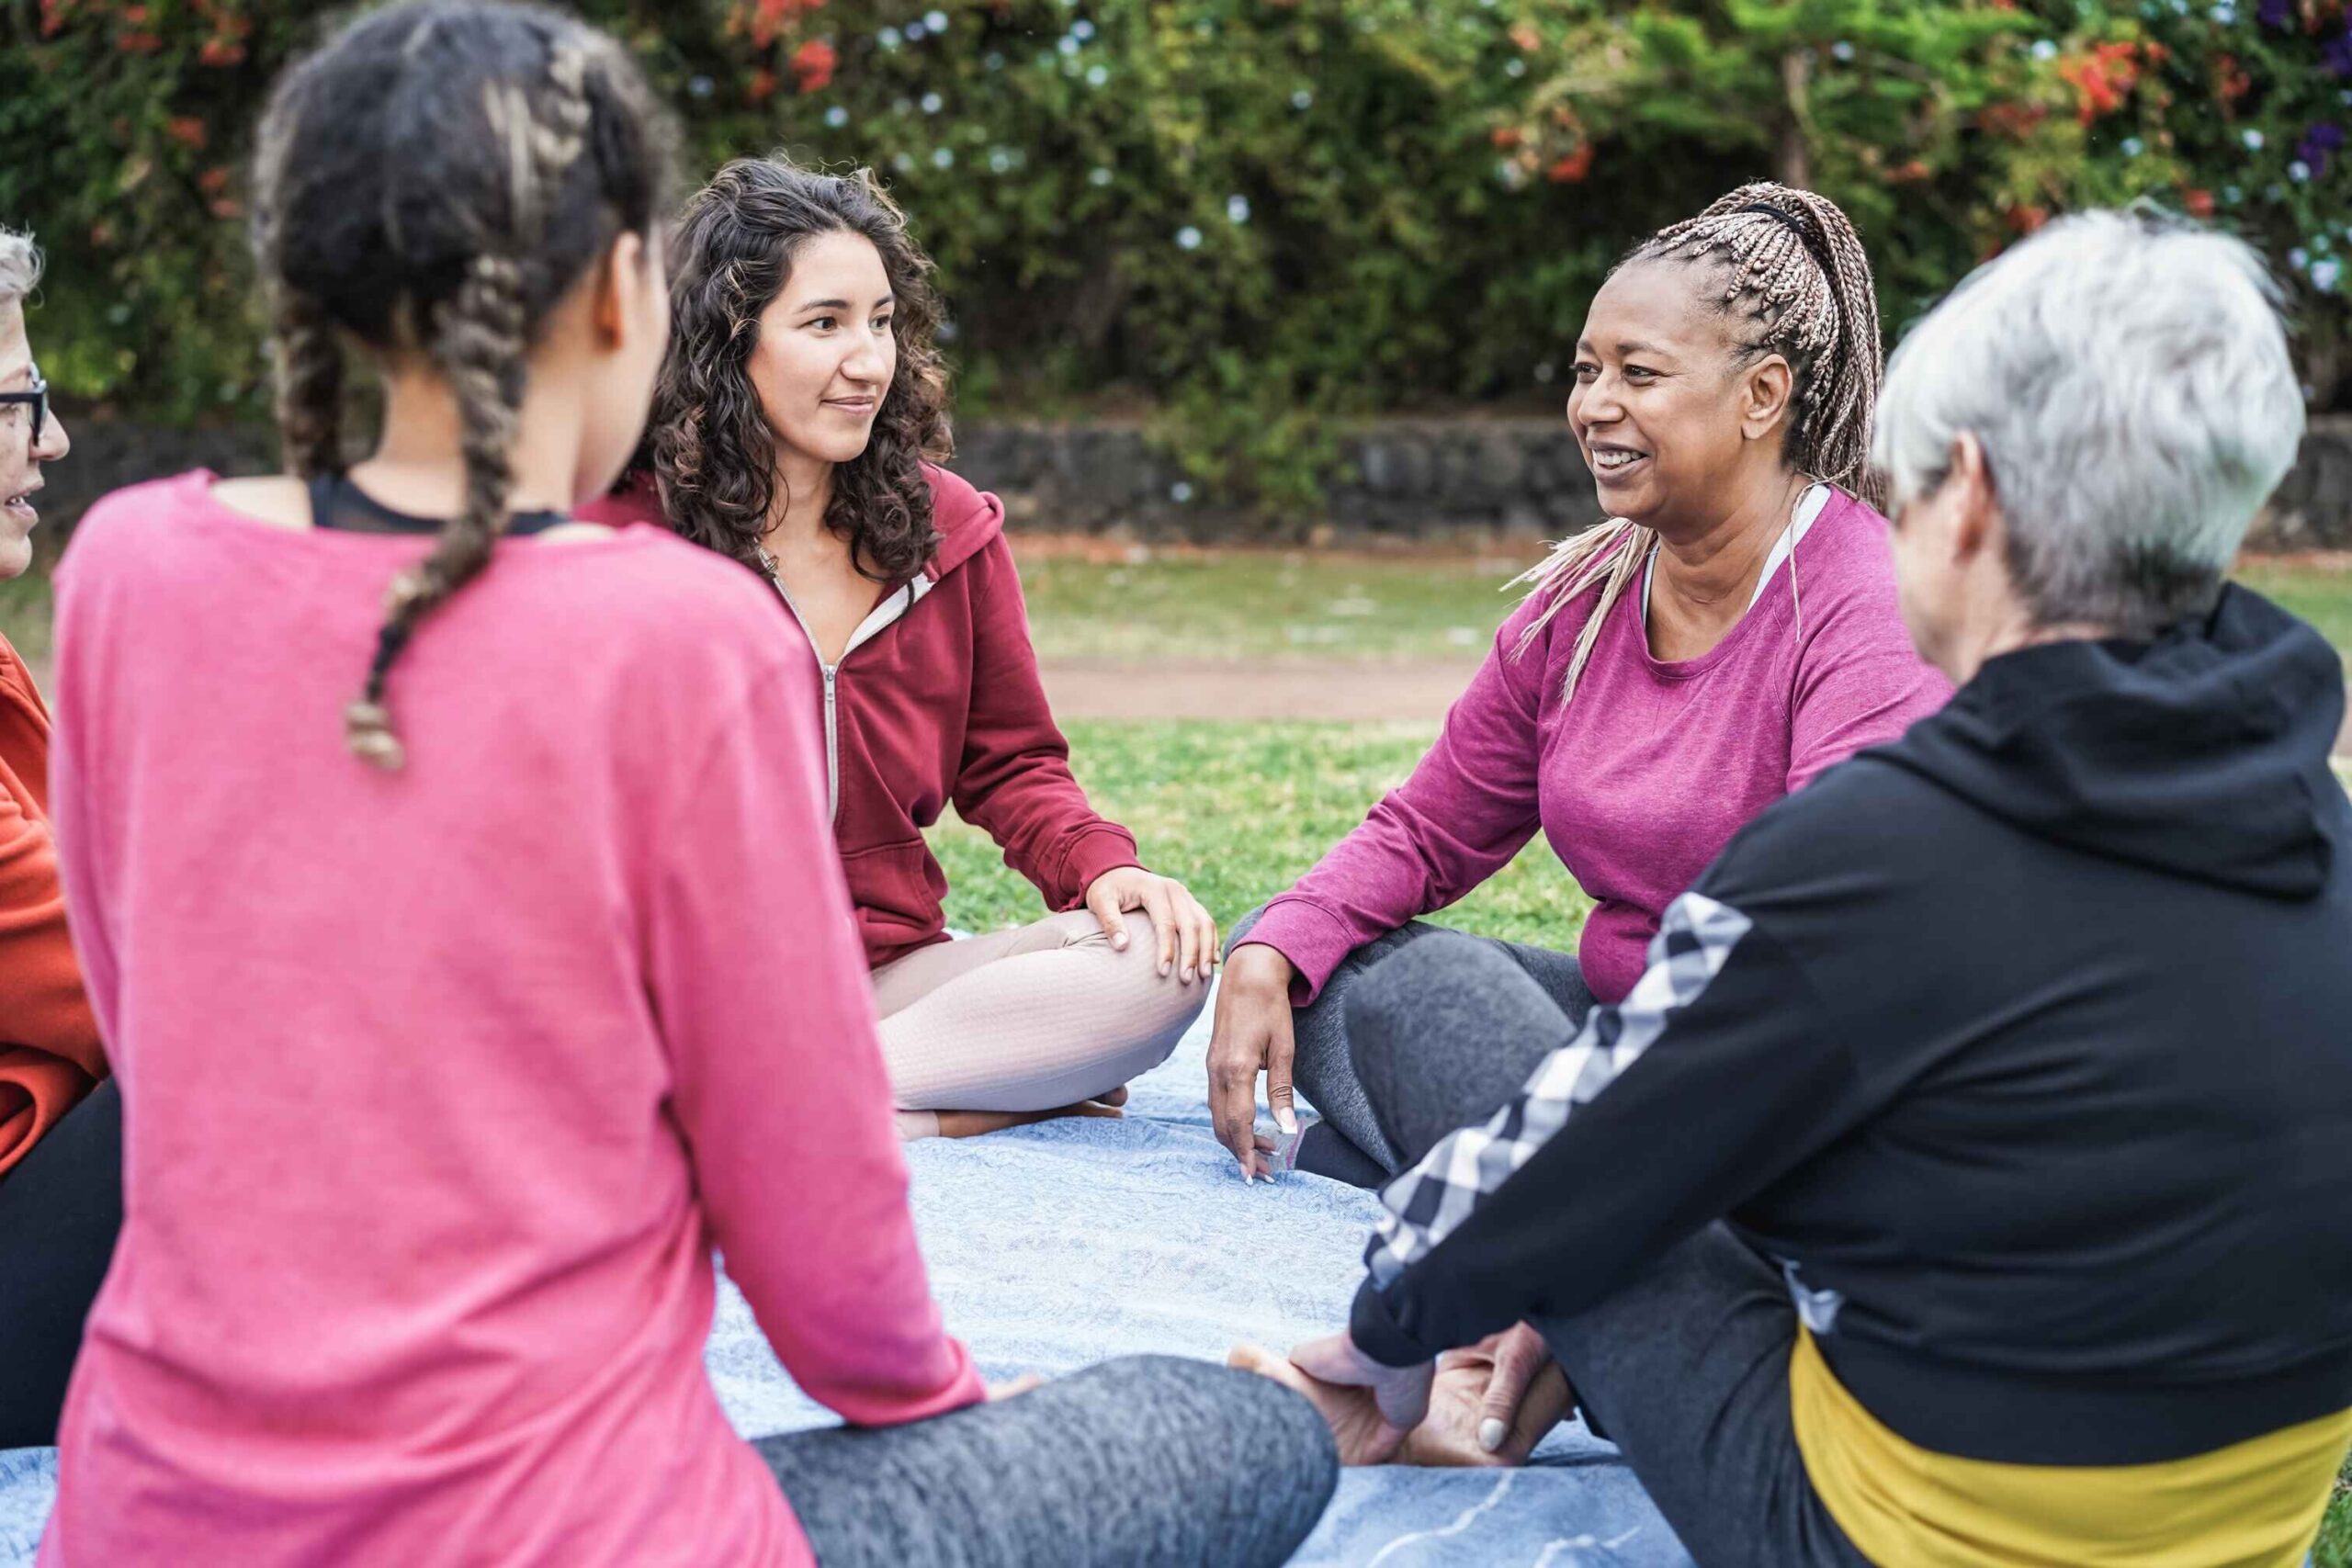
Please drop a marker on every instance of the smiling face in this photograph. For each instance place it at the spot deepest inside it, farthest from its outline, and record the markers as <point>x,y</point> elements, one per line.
<point>1669,421</point>
<point>20,459</point>
<point>826,353</point>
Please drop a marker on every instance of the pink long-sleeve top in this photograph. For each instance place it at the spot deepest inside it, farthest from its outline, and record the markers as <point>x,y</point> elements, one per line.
<point>1641,781</point>
<point>440,1085</point>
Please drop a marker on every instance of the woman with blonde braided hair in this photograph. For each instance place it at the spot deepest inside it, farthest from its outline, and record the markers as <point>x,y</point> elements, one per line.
<point>1731,632</point>
<point>446,1066</point>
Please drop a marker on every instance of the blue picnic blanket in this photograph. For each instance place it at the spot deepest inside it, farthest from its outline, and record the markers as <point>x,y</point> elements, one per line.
<point>1057,1245</point>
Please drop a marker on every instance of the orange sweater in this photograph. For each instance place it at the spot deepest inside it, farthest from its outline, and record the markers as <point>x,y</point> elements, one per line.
<point>49,1055</point>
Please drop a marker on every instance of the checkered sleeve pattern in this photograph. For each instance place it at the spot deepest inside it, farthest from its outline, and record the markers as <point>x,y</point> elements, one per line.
<point>1428,1202</point>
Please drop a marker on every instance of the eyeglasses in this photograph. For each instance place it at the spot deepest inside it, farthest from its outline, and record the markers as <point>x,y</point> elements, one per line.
<point>37,400</point>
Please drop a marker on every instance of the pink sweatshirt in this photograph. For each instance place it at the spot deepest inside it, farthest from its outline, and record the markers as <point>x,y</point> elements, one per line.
<point>1641,781</point>
<point>440,1085</point>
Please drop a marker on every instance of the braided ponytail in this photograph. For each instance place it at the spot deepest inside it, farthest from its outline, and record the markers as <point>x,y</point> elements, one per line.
<point>481,346</point>
<point>431,184</point>
<point>1790,263</point>
<point>1795,261</point>
<point>307,366</point>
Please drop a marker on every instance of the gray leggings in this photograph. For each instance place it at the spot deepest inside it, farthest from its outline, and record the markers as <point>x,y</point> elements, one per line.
<point>1686,1369</point>
<point>1147,1460</point>
<point>1349,1145</point>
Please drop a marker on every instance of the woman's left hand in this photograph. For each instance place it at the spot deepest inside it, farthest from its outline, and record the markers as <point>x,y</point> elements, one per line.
<point>1187,933</point>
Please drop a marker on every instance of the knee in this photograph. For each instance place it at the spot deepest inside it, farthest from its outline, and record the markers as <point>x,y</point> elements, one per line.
<point>1413,985</point>
<point>1257,1454</point>
<point>1142,984</point>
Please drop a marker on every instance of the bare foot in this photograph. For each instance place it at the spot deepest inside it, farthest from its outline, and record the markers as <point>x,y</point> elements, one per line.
<point>1356,1426</point>
<point>973,1123</point>
<point>1449,1435</point>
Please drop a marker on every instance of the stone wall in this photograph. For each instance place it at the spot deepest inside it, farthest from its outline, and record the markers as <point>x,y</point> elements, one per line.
<point>1406,479</point>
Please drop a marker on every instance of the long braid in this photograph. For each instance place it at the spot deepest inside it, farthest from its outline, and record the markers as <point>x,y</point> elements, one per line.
<point>307,367</point>
<point>481,345</point>
<point>1792,263</point>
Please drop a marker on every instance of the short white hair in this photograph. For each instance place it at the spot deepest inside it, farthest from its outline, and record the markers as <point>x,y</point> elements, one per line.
<point>19,265</point>
<point>2126,376</point>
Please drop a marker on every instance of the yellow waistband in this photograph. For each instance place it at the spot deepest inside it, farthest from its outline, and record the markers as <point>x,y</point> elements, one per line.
<point>2253,1504</point>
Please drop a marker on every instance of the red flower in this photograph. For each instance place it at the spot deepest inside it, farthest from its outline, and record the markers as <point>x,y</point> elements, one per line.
<point>1908,173</point>
<point>213,181</point>
<point>2198,201</point>
<point>2231,81</point>
<point>1506,136</point>
<point>2013,121</point>
<point>138,43</point>
<point>186,129</point>
<point>221,51</point>
<point>2026,219</point>
<point>763,85</point>
<point>813,64</point>
<point>1573,167</point>
<point>1524,34</point>
<point>227,207</point>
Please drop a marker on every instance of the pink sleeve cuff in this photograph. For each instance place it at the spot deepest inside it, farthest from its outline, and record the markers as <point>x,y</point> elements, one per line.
<point>962,1389</point>
<point>1313,939</point>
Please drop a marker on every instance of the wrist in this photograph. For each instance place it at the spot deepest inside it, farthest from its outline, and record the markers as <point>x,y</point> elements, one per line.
<point>1256,965</point>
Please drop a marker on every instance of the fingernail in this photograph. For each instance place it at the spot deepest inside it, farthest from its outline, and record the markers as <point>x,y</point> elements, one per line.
<point>1119,941</point>
<point>1490,1434</point>
<point>1188,974</point>
<point>1288,1122</point>
<point>1165,970</point>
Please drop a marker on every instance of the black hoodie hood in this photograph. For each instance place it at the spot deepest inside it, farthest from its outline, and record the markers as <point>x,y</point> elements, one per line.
<point>2203,753</point>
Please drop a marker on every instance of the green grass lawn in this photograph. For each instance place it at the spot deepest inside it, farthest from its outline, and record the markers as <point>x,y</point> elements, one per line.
<point>1264,604</point>
<point>1238,811</point>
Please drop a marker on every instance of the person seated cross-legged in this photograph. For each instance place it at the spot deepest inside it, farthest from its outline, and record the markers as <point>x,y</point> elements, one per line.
<point>1729,633</point>
<point>1968,1178</point>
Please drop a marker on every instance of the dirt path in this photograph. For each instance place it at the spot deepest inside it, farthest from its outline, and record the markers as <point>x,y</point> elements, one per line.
<point>1335,690</point>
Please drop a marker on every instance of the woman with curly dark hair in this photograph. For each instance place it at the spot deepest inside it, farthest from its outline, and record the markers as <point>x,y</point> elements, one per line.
<point>799,428</point>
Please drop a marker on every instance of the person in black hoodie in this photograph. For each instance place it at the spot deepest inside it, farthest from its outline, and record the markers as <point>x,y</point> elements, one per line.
<point>1969,1179</point>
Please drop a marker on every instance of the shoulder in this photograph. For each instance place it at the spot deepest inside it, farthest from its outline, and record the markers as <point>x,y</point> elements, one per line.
<point>662,588</point>
<point>676,640</point>
<point>637,499</point>
<point>1551,615</point>
<point>145,508</point>
<point>1845,556</point>
<point>1845,581</point>
<point>970,520</point>
<point>15,680</point>
<point>1865,832</point>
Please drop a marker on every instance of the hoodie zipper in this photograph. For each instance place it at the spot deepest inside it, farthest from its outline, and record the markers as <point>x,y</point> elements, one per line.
<point>884,615</point>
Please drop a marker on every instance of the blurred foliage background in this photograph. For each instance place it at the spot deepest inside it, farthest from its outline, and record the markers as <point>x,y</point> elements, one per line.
<point>1235,220</point>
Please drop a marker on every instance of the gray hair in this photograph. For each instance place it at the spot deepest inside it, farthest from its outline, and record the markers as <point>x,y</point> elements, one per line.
<point>2126,376</point>
<point>19,265</point>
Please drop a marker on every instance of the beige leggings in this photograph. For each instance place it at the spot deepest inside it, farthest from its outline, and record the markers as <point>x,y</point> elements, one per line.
<point>1026,1020</point>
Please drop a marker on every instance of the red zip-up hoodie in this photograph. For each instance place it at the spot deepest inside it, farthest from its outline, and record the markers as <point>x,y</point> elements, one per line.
<point>937,699</point>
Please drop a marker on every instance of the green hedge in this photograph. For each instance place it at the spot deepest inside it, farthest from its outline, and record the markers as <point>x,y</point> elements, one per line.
<point>1244,216</point>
